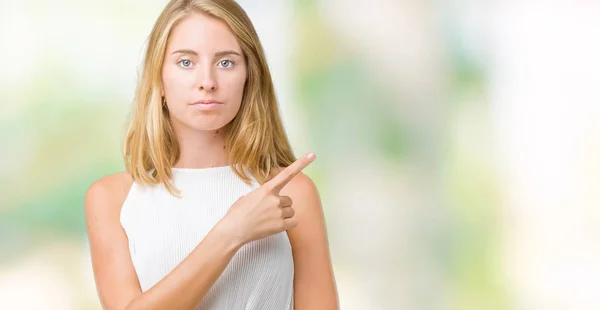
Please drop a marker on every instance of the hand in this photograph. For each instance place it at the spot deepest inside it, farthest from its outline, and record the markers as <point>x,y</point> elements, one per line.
<point>263,212</point>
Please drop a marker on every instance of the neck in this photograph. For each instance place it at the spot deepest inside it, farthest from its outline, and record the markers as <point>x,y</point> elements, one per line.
<point>202,149</point>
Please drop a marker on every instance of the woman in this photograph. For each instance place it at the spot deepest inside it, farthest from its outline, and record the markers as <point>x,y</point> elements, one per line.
<point>213,211</point>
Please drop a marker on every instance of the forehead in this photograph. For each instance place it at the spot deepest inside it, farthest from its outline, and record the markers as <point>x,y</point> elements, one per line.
<point>201,32</point>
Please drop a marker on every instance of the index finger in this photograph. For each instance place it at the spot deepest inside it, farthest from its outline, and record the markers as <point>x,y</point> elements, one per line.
<point>287,174</point>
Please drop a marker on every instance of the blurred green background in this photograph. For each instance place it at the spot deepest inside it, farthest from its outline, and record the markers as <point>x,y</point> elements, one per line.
<point>458,143</point>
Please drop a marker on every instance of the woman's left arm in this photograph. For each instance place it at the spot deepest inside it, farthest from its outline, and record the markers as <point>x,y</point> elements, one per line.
<point>314,282</point>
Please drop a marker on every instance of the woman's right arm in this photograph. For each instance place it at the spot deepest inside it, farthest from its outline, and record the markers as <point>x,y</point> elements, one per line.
<point>116,280</point>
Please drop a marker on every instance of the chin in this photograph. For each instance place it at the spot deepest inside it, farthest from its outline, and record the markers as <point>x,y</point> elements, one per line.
<point>208,126</point>
<point>201,122</point>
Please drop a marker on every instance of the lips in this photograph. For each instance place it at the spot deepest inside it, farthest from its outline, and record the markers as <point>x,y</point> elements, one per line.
<point>207,104</point>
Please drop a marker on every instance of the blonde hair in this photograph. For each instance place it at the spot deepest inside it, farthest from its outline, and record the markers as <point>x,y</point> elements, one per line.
<point>256,139</point>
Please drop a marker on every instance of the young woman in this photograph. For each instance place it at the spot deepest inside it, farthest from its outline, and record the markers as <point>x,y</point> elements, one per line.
<point>213,211</point>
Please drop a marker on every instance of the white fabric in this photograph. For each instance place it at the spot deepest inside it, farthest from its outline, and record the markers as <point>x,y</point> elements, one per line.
<point>163,229</point>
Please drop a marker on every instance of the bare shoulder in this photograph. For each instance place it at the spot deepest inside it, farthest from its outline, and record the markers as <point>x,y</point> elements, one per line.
<point>304,194</point>
<point>116,281</point>
<point>300,186</point>
<point>108,193</point>
<point>314,282</point>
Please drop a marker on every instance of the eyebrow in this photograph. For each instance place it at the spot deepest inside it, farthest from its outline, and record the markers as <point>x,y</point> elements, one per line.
<point>217,54</point>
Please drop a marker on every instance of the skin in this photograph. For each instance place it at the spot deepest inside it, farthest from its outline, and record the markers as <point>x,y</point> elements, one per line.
<point>288,201</point>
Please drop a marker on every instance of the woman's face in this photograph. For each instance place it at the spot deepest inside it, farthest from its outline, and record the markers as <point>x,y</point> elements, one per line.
<point>204,73</point>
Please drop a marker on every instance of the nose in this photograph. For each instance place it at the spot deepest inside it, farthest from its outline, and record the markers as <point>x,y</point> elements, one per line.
<point>207,80</point>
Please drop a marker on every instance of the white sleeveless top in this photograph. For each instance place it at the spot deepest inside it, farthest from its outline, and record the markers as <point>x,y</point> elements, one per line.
<point>163,230</point>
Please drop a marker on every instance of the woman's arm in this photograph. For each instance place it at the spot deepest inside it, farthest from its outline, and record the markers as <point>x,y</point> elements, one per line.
<point>314,282</point>
<point>116,280</point>
<point>260,213</point>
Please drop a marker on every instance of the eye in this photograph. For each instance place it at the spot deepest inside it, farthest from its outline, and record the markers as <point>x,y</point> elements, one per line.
<point>226,63</point>
<point>185,63</point>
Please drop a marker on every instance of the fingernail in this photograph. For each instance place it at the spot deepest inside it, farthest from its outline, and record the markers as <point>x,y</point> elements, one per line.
<point>311,156</point>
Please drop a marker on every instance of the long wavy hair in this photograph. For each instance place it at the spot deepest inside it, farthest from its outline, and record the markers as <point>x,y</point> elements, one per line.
<point>256,141</point>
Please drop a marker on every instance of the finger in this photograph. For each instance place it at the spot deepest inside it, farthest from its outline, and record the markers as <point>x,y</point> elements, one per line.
<point>285,176</point>
<point>289,223</point>
<point>285,201</point>
<point>287,212</point>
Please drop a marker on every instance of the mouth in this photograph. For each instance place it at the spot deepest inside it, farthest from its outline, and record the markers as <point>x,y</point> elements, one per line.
<point>207,104</point>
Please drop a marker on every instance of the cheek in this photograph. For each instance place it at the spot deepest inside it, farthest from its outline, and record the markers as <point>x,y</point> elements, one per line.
<point>174,80</point>
<point>234,85</point>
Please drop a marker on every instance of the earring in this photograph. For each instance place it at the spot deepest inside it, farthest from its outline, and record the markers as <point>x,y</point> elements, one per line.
<point>164,102</point>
